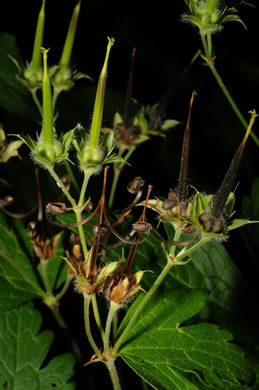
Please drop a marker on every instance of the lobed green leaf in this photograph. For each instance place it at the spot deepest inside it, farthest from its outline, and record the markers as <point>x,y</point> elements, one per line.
<point>23,350</point>
<point>168,352</point>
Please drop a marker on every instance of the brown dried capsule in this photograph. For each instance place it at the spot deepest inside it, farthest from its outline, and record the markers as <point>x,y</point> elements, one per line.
<point>101,230</point>
<point>57,208</point>
<point>136,185</point>
<point>141,227</point>
<point>212,224</point>
<point>173,195</point>
<point>169,204</point>
<point>6,200</point>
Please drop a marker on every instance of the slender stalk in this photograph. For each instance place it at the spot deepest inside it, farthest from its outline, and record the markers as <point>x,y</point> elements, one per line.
<point>82,236</point>
<point>78,211</point>
<point>223,87</point>
<point>117,171</point>
<point>87,175</point>
<point>72,176</point>
<point>209,41</point>
<point>61,185</point>
<point>74,346</point>
<point>115,180</point>
<point>113,374</point>
<point>187,252</point>
<point>97,316</point>
<point>65,287</point>
<point>55,96</point>
<point>113,309</point>
<point>36,100</point>
<point>87,301</point>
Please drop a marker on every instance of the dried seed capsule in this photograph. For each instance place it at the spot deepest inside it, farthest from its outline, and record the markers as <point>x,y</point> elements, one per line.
<point>57,208</point>
<point>211,224</point>
<point>169,204</point>
<point>6,200</point>
<point>141,227</point>
<point>101,230</point>
<point>136,185</point>
<point>173,195</point>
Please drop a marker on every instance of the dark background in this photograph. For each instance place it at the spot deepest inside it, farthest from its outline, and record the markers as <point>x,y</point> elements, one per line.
<point>164,46</point>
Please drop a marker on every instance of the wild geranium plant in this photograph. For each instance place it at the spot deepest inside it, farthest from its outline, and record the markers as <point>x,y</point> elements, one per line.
<point>175,327</point>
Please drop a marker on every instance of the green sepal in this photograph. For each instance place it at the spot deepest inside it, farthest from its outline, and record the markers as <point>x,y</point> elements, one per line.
<point>117,119</point>
<point>31,79</point>
<point>64,78</point>
<point>108,141</point>
<point>210,16</point>
<point>27,140</point>
<point>197,206</point>
<point>114,158</point>
<point>80,138</point>
<point>237,223</point>
<point>49,155</point>
<point>229,205</point>
<point>169,124</point>
<point>66,140</point>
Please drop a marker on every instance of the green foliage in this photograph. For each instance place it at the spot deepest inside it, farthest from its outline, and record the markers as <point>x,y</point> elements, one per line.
<point>23,351</point>
<point>168,352</point>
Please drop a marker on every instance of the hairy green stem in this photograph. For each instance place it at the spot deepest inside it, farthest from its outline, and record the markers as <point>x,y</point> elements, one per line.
<point>78,211</point>
<point>113,374</point>
<point>87,301</point>
<point>36,100</point>
<point>186,252</point>
<point>72,176</point>
<point>117,171</point>
<point>65,287</point>
<point>55,96</point>
<point>61,185</point>
<point>87,175</point>
<point>97,316</point>
<point>223,87</point>
<point>113,309</point>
